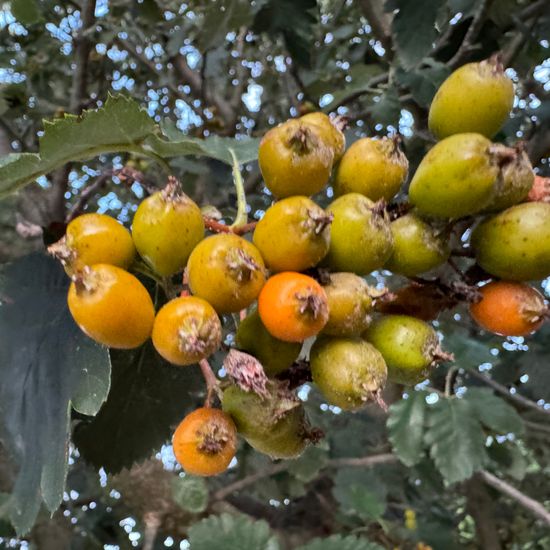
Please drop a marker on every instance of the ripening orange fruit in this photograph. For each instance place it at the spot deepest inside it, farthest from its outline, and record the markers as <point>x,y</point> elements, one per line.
<point>293,306</point>
<point>186,330</point>
<point>94,239</point>
<point>509,308</point>
<point>205,442</point>
<point>111,306</point>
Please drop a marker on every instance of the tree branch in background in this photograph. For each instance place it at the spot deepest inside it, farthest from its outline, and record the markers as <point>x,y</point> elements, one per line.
<point>83,46</point>
<point>479,505</point>
<point>362,462</point>
<point>467,45</point>
<point>503,390</point>
<point>535,507</point>
<point>86,195</point>
<point>380,23</point>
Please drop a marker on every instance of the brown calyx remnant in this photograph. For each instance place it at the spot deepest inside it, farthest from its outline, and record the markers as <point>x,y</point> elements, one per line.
<point>212,437</point>
<point>311,304</point>
<point>62,251</point>
<point>438,355</point>
<point>197,336</point>
<point>246,371</point>
<point>173,191</point>
<point>241,265</point>
<point>319,222</point>
<point>85,280</point>
<point>495,62</point>
<point>302,141</point>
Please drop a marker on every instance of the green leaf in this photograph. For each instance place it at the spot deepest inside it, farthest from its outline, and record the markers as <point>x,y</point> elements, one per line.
<point>424,82</point>
<point>360,77</point>
<point>388,109</point>
<point>299,36</point>
<point>469,351</point>
<point>148,398</point>
<point>119,126</point>
<point>338,542</point>
<point>456,439</point>
<point>26,12</point>
<point>222,17</point>
<point>47,365</point>
<point>191,493</point>
<point>360,491</point>
<point>493,412</point>
<point>216,147</point>
<point>414,30</point>
<point>307,467</point>
<point>228,532</point>
<point>406,427</point>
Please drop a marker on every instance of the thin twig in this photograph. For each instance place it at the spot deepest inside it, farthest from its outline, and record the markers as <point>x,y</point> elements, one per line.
<point>362,462</point>
<point>86,195</point>
<point>218,227</point>
<point>503,390</point>
<point>471,35</point>
<point>535,507</point>
<point>379,23</point>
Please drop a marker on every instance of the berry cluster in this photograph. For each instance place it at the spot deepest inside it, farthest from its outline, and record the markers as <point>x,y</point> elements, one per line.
<point>301,277</point>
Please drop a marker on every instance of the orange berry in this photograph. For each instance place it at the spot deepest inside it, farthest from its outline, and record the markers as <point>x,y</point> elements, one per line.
<point>205,442</point>
<point>509,308</point>
<point>293,306</point>
<point>111,306</point>
<point>186,330</point>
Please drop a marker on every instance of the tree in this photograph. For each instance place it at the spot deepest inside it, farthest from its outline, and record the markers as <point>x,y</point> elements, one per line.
<point>101,101</point>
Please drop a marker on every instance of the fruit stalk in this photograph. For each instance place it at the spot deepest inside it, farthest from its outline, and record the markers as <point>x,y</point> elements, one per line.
<point>212,386</point>
<point>241,218</point>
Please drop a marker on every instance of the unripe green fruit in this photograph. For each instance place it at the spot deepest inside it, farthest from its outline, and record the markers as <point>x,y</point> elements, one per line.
<point>349,304</point>
<point>275,355</point>
<point>274,424</point>
<point>360,235</point>
<point>457,177</point>
<point>417,246</point>
<point>409,346</point>
<point>295,160</point>
<point>515,179</point>
<point>515,244</point>
<point>477,97</point>
<point>293,235</point>
<point>166,227</point>
<point>347,371</point>
<point>329,132</point>
<point>376,168</point>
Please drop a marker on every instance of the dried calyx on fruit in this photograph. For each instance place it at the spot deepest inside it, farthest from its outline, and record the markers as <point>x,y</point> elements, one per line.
<point>274,424</point>
<point>409,346</point>
<point>376,168</point>
<point>166,227</point>
<point>330,131</point>
<point>348,371</point>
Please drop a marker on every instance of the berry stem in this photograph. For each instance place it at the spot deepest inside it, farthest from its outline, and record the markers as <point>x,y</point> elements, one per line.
<point>218,227</point>
<point>241,218</point>
<point>212,386</point>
